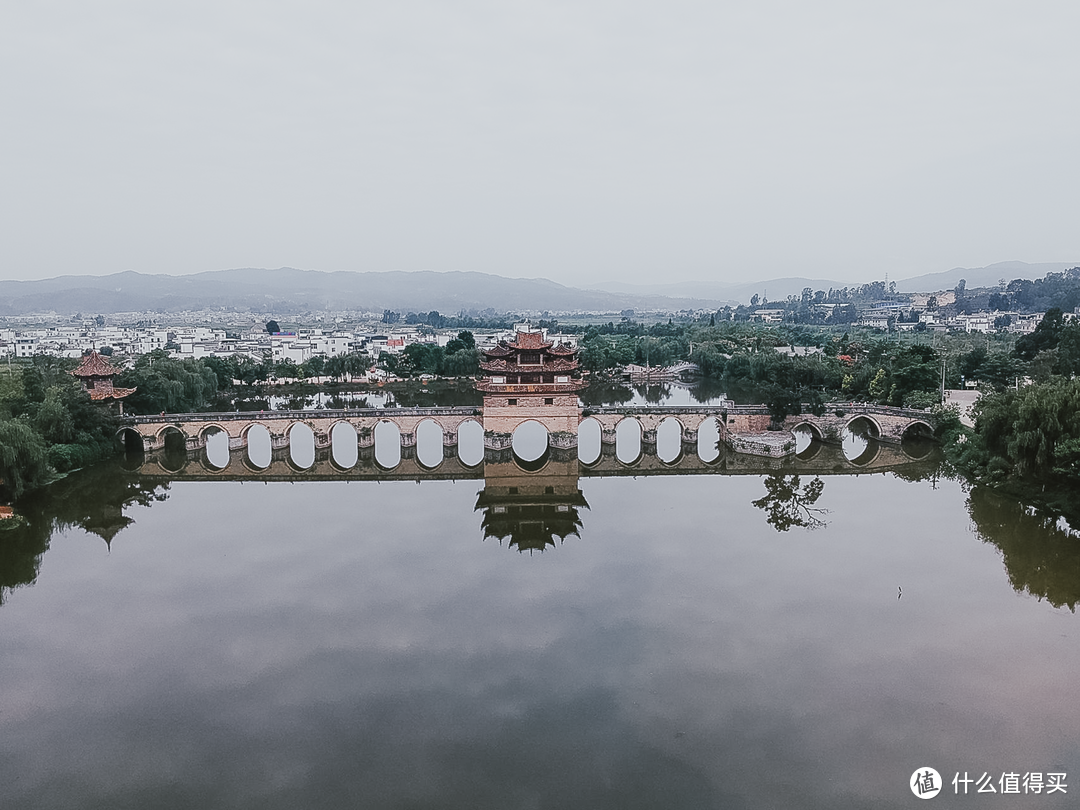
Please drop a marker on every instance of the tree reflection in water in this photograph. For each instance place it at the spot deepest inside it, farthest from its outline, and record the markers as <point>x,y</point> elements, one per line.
<point>1041,556</point>
<point>93,500</point>
<point>787,503</point>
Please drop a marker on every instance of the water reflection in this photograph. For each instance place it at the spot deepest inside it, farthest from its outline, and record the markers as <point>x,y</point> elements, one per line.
<point>531,512</point>
<point>789,503</point>
<point>702,391</point>
<point>1040,551</point>
<point>370,641</point>
<point>95,500</point>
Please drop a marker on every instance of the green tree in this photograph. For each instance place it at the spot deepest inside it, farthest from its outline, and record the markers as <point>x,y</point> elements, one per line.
<point>23,458</point>
<point>1046,335</point>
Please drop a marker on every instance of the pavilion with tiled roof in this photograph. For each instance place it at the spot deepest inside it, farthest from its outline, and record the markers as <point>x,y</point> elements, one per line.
<point>528,379</point>
<point>96,373</point>
<point>532,363</point>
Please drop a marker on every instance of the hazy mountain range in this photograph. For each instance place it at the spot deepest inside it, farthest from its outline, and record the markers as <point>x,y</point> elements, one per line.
<point>289,290</point>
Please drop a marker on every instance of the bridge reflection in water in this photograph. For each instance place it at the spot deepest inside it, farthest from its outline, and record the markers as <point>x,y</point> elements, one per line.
<point>531,505</point>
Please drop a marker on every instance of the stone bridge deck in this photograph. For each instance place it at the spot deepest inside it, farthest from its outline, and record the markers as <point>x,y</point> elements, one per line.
<point>743,428</point>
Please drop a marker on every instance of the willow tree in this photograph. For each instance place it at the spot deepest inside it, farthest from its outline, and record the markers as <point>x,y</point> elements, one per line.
<point>23,458</point>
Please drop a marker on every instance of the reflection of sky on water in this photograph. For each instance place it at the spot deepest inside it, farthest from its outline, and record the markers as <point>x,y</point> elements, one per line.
<point>309,644</point>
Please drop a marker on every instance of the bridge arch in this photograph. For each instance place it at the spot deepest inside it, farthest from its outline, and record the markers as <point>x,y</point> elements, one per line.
<point>259,446</point>
<point>590,448</point>
<point>628,441</point>
<point>387,444</point>
<point>131,440</point>
<point>811,427</point>
<point>429,443</point>
<point>709,435</point>
<point>344,445</point>
<point>531,445</point>
<point>214,446</point>
<point>873,426</point>
<point>918,429</point>
<point>170,437</point>
<point>669,443</point>
<point>301,439</point>
<point>470,448</point>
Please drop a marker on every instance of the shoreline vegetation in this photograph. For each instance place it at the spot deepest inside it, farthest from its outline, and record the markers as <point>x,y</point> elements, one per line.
<point>1025,439</point>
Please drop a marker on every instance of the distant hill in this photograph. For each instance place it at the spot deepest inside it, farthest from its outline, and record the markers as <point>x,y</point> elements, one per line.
<point>987,276</point>
<point>289,289</point>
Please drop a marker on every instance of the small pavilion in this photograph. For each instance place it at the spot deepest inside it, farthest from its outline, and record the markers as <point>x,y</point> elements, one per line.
<point>96,373</point>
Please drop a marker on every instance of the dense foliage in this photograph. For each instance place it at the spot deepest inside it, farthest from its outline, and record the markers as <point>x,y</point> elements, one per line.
<point>48,424</point>
<point>1026,435</point>
<point>459,358</point>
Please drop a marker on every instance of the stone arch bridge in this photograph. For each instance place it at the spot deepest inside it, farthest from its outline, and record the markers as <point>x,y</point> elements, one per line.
<point>743,428</point>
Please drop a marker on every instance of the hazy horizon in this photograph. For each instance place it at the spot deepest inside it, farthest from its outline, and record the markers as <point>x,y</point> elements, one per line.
<point>584,143</point>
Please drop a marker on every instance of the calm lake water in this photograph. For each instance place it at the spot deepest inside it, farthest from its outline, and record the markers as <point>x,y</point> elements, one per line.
<point>398,644</point>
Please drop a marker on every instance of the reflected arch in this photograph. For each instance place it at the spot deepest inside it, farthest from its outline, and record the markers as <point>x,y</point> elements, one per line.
<point>530,446</point>
<point>344,446</point>
<point>860,442</point>
<point>387,445</point>
<point>215,443</point>
<point>301,446</point>
<point>708,440</point>
<point>471,443</point>
<point>259,447</point>
<point>669,446</point>
<point>628,441</point>
<point>131,441</point>
<point>429,444</point>
<point>589,447</point>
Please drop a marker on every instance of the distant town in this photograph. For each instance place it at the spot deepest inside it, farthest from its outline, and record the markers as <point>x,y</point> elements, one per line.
<point>307,335</point>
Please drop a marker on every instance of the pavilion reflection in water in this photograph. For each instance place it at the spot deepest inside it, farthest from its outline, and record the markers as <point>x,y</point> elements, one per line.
<point>531,511</point>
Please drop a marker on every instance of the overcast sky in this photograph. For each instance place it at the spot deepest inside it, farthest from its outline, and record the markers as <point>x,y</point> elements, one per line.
<point>581,141</point>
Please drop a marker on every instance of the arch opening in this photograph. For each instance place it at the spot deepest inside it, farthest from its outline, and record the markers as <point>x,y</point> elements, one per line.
<point>589,441</point>
<point>708,440</point>
<point>344,447</point>
<point>301,446</point>
<point>530,441</point>
<point>471,443</point>
<point>859,443</point>
<point>429,444</point>
<point>215,447</point>
<point>131,441</point>
<point>387,445</point>
<point>808,440</point>
<point>173,449</point>
<point>259,449</point>
<point>628,440</point>
<point>917,440</point>
<point>669,440</point>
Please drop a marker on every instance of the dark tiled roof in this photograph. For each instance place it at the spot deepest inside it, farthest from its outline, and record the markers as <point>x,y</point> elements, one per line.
<point>530,340</point>
<point>94,365</point>
<point>98,394</point>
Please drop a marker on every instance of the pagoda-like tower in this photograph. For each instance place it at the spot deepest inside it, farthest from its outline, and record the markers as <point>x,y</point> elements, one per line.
<point>531,511</point>
<point>96,373</point>
<point>531,378</point>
